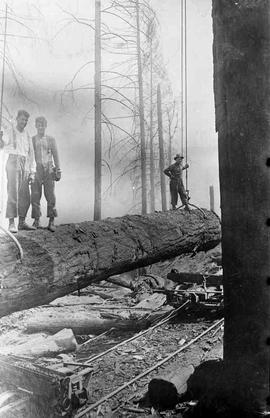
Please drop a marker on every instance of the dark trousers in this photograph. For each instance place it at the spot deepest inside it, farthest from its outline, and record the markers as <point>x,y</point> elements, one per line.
<point>17,187</point>
<point>44,176</point>
<point>177,187</point>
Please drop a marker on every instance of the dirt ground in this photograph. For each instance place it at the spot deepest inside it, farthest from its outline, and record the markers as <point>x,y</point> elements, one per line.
<point>129,360</point>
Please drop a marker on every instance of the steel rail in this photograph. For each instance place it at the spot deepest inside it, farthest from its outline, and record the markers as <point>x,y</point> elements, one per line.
<point>146,372</point>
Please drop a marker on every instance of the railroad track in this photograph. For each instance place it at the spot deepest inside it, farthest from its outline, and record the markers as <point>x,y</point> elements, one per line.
<point>84,412</point>
<point>101,362</point>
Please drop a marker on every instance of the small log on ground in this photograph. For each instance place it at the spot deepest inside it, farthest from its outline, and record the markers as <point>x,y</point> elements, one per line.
<point>76,255</point>
<point>83,323</point>
<point>164,391</point>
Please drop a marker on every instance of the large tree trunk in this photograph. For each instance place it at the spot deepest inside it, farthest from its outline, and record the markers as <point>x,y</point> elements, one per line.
<point>76,255</point>
<point>242,93</point>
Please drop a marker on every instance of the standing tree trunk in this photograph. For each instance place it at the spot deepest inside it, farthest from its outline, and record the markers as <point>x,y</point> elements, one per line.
<point>161,151</point>
<point>98,144</point>
<point>77,255</point>
<point>141,111</point>
<point>152,163</point>
<point>212,198</point>
<point>242,96</point>
<point>169,137</point>
<point>2,159</point>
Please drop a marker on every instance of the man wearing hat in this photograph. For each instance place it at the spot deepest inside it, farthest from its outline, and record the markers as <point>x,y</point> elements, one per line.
<point>175,172</point>
<point>48,171</point>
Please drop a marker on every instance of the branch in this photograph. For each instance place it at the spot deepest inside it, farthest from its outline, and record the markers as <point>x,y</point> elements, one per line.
<point>109,168</point>
<point>78,71</point>
<point>111,132</point>
<point>118,92</point>
<point>118,101</point>
<point>123,130</point>
<point>126,21</point>
<point>121,75</point>
<point>78,20</point>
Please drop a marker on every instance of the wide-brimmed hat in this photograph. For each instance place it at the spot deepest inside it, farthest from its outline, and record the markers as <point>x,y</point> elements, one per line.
<point>178,156</point>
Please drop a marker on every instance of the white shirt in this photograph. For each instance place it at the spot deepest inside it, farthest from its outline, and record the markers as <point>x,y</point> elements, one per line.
<point>20,143</point>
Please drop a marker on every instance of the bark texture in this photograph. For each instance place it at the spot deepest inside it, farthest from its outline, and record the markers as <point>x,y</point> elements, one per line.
<point>242,96</point>
<point>76,255</point>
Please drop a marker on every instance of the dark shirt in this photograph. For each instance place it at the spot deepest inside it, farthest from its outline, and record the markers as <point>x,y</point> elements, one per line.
<point>45,150</point>
<point>174,171</point>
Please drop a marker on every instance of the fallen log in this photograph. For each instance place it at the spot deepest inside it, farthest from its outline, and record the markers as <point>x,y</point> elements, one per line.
<point>77,255</point>
<point>83,323</point>
<point>164,391</point>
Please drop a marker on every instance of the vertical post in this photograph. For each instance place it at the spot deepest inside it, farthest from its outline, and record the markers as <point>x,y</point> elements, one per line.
<point>98,144</point>
<point>186,89</point>
<point>152,165</point>
<point>182,77</point>
<point>2,169</point>
<point>3,69</point>
<point>161,151</point>
<point>212,198</point>
<point>242,91</point>
<point>169,137</point>
<point>141,111</point>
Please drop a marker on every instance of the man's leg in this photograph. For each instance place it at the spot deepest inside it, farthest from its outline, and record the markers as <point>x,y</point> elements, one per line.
<point>183,194</point>
<point>36,193</point>
<point>51,199</point>
<point>174,193</point>
<point>12,188</point>
<point>24,201</point>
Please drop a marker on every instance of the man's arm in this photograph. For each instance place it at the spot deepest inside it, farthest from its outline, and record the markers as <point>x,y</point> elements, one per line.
<point>168,171</point>
<point>55,154</point>
<point>31,156</point>
<point>4,139</point>
<point>57,174</point>
<point>185,167</point>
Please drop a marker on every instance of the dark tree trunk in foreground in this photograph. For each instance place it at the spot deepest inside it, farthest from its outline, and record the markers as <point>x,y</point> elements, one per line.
<point>242,94</point>
<point>77,255</point>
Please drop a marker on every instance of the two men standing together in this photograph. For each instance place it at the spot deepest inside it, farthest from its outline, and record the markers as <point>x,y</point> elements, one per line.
<point>32,162</point>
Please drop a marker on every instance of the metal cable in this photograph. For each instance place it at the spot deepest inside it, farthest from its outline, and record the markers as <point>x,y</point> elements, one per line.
<point>18,245</point>
<point>186,89</point>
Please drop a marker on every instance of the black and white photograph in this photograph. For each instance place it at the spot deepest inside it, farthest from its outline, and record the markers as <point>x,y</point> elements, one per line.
<point>134,208</point>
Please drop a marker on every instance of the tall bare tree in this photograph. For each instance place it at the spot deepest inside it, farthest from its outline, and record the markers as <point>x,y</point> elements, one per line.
<point>98,140</point>
<point>161,151</point>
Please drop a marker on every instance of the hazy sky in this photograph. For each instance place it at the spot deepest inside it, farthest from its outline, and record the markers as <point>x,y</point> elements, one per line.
<point>46,55</point>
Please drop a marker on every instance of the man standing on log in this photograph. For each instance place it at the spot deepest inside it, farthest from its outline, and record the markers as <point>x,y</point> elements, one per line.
<point>20,170</point>
<point>48,171</point>
<point>175,172</point>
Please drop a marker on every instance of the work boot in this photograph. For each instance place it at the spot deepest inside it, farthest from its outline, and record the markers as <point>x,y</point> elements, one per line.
<point>36,223</point>
<point>12,228</point>
<point>173,207</point>
<point>23,226</point>
<point>51,226</point>
<point>187,208</point>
